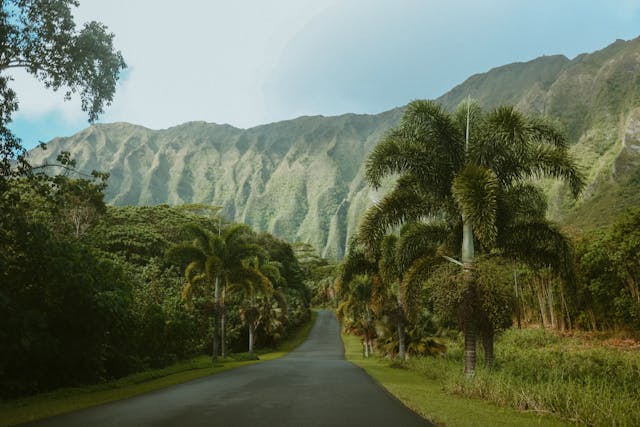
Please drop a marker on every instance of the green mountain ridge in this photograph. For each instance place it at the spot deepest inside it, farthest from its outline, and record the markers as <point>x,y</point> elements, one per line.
<point>302,179</point>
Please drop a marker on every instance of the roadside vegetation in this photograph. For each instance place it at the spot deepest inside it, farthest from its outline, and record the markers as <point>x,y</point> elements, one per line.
<point>115,299</point>
<point>460,251</point>
<point>428,396</point>
<point>91,293</point>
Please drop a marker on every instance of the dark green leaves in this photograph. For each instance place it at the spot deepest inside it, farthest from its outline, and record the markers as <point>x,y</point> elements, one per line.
<point>475,190</point>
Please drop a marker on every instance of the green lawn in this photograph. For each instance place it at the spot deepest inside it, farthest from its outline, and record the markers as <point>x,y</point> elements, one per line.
<point>72,399</point>
<point>427,397</point>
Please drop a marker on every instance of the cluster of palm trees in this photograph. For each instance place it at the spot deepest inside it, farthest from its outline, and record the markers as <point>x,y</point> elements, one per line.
<point>231,262</point>
<point>464,187</point>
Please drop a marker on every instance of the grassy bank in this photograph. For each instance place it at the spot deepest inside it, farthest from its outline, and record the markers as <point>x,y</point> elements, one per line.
<point>581,380</point>
<point>428,396</point>
<point>72,399</point>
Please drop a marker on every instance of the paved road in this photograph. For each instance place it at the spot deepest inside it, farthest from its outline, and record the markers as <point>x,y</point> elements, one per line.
<point>312,386</point>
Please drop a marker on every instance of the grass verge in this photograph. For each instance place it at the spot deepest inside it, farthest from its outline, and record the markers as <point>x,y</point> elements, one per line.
<point>60,401</point>
<point>427,397</point>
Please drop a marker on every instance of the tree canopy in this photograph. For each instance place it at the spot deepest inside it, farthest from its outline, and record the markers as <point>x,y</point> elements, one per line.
<point>41,37</point>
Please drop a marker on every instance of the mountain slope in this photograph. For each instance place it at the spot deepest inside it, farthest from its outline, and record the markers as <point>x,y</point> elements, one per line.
<point>302,179</point>
<point>595,97</point>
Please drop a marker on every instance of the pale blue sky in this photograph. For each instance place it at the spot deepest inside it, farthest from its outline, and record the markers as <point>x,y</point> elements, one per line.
<point>249,62</point>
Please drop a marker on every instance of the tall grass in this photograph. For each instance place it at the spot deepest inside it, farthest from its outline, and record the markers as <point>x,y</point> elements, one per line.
<point>539,371</point>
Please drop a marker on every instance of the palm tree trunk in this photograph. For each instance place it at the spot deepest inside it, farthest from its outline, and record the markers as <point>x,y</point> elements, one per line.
<point>401,332</point>
<point>487,344</point>
<point>539,288</point>
<point>251,339</point>
<point>566,310</point>
<point>216,314</point>
<point>469,349</point>
<point>251,320</point>
<point>401,340</point>
<point>223,345</point>
<point>366,343</point>
<point>469,321</point>
<point>551,303</point>
<point>515,284</point>
<point>367,332</point>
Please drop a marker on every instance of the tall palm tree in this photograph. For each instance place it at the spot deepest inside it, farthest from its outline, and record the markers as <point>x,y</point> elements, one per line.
<point>356,305</point>
<point>272,310</point>
<point>201,274</point>
<point>458,169</point>
<point>391,273</point>
<point>215,262</point>
<point>252,281</point>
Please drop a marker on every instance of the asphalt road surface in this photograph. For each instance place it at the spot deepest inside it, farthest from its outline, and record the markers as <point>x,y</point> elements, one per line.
<point>311,386</point>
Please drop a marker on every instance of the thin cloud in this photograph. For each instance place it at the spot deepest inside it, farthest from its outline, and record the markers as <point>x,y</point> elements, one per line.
<point>248,62</point>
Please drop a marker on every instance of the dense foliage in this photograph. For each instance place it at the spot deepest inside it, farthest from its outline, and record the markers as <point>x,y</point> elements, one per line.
<point>41,38</point>
<point>401,285</point>
<point>81,308</point>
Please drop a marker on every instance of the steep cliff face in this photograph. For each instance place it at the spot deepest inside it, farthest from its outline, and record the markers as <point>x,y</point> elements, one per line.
<point>593,96</point>
<point>302,179</point>
<point>299,179</point>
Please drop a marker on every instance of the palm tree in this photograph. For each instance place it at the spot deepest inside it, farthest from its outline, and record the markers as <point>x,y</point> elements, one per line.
<point>216,261</point>
<point>358,294</point>
<point>391,273</point>
<point>272,310</point>
<point>459,169</point>
<point>201,274</point>
<point>252,281</point>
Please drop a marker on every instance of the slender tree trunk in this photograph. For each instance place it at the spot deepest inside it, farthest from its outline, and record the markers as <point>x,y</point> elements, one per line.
<point>469,347</point>
<point>551,304</point>
<point>401,341</point>
<point>566,310</point>
<point>366,343</point>
<point>367,333</point>
<point>592,317</point>
<point>469,321</point>
<point>515,284</point>
<point>216,314</point>
<point>487,344</point>
<point>251,320</point>
<point>223,310</point>
<point>541,301</point>
<point>251,338</point>
<point>633,288</point>
<point>401,333</point>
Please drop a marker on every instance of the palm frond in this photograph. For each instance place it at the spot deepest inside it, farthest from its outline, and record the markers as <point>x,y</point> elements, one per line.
<point>413,283</point>
<point>405,203</point>
<point>213,266</point>
<point>521,201</point>
<point>387,266</point>
<point>194,269</point>
<point>418,239</point>
<point>430,125</point>
<point>200,235</point>
<point>237,232</point>
<point>543,130</point>
<point>184,253</point>
<point>387,158</point>
<point>356,262</point>
<point>548,161</point>
<point>539,243</point>
<point>475,190</point>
